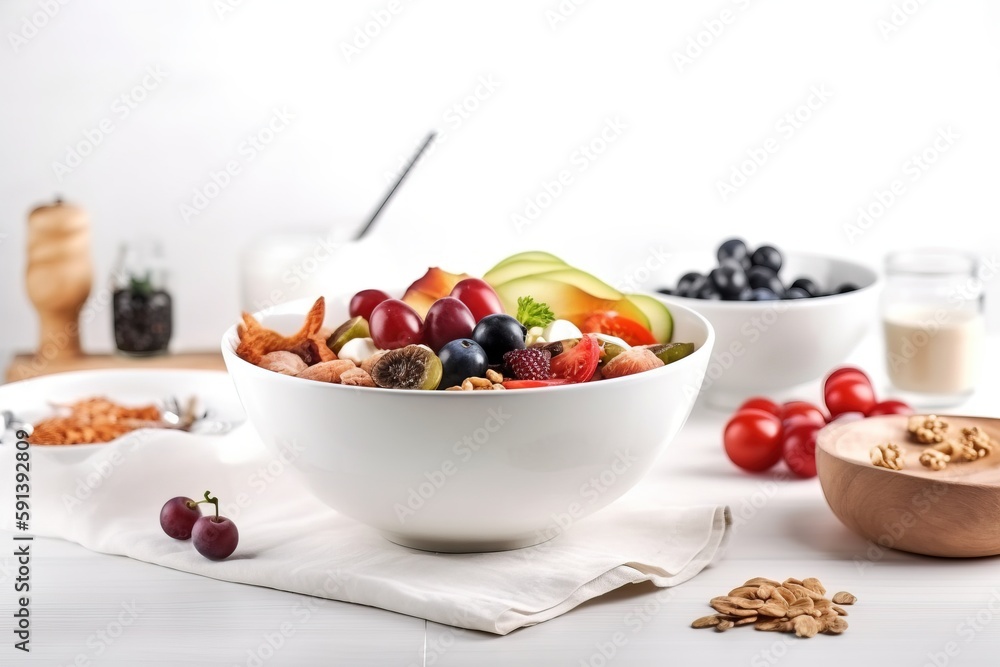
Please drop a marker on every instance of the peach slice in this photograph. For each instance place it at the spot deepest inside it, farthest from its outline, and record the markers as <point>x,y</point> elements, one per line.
<point>430,287</point>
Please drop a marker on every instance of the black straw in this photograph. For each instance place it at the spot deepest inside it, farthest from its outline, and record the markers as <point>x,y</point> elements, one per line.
<point>388,196</point>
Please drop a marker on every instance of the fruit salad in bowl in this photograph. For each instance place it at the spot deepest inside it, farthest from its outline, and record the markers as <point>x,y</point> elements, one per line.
<point>463,415</point>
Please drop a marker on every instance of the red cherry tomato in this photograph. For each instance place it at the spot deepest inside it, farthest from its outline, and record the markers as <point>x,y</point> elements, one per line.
<point>799,449</point>
<point>480,298</point>
<point>364,302</point>
<point>752,439</point>
<point>531,384</point>
<point>395,324</point>
<point>613,324</point>
<point>849,392</point>
<point>845,370</point>
<point>803,409</point>
<point>577,364</point>
<point>890,407</point>
<point>761,403</point>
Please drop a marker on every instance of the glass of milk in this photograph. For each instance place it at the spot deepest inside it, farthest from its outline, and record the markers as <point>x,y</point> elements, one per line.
<point>932,315</point>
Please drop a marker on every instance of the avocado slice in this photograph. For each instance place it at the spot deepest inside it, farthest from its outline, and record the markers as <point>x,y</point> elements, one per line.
<point>532,255</point>
<point>567,300</point>
<point>500,274</point>
<point>661,322</point>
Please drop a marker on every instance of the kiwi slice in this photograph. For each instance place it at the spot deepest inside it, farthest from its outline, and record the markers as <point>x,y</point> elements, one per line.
<point>356,327</point>
<point>410,367</point>
<point>670,352</point>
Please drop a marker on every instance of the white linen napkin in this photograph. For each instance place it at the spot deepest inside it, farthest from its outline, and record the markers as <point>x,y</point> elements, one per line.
<point>109,501</point>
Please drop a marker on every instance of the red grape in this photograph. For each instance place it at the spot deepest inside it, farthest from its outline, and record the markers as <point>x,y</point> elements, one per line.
<point>890,407</point>
<point>215,537</point>
<point>447,319</point>
<point>478,296</point>
<point>761,403</point>
<point>752,439</point>
<point>799,449</point>
<point>364,302</point>
<point>178,516</point>
<point>395,324</point>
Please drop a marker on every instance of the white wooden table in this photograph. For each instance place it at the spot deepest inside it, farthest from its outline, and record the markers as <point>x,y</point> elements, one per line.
<point>92,609</point>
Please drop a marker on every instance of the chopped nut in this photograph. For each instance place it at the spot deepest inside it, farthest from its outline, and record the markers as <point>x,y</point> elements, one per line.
<point>813,584</point>
<point>499,386</point>
<point>356,377</point>
<point>843,597</point>
<point>805,626</point>
<point>934,459</point>
<point>977,440</point>
<point>480,383</point>
<point>927,429</point>
<point>887,456</point>
<point>775,625</point>
<point>834,626</point>
<point>467,384</point>
<point>286,363</point>
<point>705,621</point>
<point>493,376</point>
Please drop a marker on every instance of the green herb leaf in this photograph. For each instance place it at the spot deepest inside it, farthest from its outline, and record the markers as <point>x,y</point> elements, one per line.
<point>532,314</point>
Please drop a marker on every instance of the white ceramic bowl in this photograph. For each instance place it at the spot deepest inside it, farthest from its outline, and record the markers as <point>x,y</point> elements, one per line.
<point>770,346</point>
<point>470,471</point>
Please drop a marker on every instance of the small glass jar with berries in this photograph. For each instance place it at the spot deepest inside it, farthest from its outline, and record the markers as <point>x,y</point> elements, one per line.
<point>143,308</point>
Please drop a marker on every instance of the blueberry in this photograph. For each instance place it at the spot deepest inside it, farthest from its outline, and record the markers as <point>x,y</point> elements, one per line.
<point>460,359</point>
<point>687,281</point>
<point>708,292</point>
<point>697,283</point>
<point>764,294</point>
<point>768,256</point>
<point>729,279</point>
<point>665,290</point>
<point>807,285</point>
<point>732,249</point>
<point>745,295</point>
<point>845,287</point>
<point>761,276</point>
<point>796,293</point>
<point>497,334</point>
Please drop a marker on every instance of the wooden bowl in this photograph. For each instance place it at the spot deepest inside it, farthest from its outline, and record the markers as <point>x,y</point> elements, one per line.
<point>952,512</point>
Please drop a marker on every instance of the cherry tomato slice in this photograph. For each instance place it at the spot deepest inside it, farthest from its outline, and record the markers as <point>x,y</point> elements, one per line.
<point>890,407</point>
<point>532,384</point>
<point>761,403</point>
<point>578,363</point>
<point>752,439</point>
<point>611,323</point>
<point>803,409</point>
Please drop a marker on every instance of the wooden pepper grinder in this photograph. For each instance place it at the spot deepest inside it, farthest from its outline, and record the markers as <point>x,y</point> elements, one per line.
<point>59,276</point>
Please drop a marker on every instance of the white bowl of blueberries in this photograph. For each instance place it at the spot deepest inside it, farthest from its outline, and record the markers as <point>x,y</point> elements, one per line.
<point>781,319</point>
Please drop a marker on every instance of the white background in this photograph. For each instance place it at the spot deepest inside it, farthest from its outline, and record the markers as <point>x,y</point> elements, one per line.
<point>558,80</point>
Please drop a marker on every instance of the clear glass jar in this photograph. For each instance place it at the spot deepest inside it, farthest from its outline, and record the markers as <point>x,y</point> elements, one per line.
<point>143,308</point>
<point>932,317</point>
